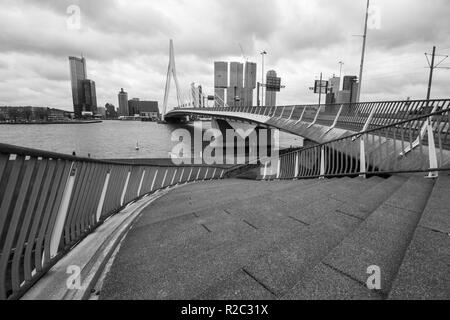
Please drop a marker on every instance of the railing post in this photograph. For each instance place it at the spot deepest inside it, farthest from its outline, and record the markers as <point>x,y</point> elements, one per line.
<point>125,187</point>
<point>274,111</point>
<point>336,119</point>
<point>62,213</point>
<point>265,170</point>
<point>369,120</point>
<point>279,168</point>
<point>322,163</point>
<point>292,112</point>
<point>423,130</point>
<point>301,117</point>
<point>140,184</point>
<point>282,112</point>
<point>181,177</point>
<point>315,118</point>
<point>153,182</point>
<point>432,151</point>
<point>362,157</point>
<point>103,196</point>
<point>296,164</point>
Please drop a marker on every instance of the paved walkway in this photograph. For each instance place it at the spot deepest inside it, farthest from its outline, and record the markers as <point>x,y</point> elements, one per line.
<point>243,239</point>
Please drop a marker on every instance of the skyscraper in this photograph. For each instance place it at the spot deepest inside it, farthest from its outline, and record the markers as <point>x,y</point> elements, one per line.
<point>220,82</point>
<point>249,84</point>
<point>272,87</point>
<point>123,103</point>
<point>90,97</point>
<point>236,84</point>
<point>77,75</point>
<point>348,82</point>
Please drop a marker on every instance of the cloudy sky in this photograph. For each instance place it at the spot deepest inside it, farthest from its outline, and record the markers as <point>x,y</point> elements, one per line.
<point>126,45</point>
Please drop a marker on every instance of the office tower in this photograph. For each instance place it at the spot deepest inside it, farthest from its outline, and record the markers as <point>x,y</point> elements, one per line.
<point>349,93</point>
<point>249,84</point>
<point>220,74</point>
<point>273,85</point>
<point>334,85</point>
<point>348,80</point>
<point>220,82</point>
<point>123,103</point>
<point>236,75</point>
<point>77,75</point>
<point>236,84</point>
<point>90,97</point>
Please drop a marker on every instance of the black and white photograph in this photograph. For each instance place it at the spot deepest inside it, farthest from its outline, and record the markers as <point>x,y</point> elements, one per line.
<point>225,158</point>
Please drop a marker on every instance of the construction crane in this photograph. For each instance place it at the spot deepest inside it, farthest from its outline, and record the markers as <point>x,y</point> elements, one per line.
<point>243,54</point>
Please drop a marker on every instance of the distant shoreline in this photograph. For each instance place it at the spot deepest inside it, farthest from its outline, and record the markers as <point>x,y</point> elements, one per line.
<point>52,122</point>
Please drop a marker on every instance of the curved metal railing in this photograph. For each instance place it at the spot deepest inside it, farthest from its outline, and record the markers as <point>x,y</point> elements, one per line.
<point>49,202</point>
<point>351,116</point>
<point>420,144</point>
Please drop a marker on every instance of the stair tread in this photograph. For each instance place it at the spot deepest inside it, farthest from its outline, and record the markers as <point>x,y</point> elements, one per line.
<point>425,270</point>
<point>364,203</point>
<point>380,240</point>
<point>279,267</point>
<point>424,273</point>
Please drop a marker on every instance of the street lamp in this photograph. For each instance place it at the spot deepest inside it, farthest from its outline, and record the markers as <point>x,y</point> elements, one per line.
<point>262,77</point>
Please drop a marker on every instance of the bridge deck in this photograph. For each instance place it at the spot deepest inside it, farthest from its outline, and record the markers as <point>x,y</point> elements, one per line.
<point>287,240</point>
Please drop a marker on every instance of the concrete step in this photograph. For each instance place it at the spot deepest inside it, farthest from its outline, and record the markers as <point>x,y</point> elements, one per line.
<point>380,240</point>
<point>278,268</point>
<point>199,248</point>
<point>181,203</point>
<point>425,270</point>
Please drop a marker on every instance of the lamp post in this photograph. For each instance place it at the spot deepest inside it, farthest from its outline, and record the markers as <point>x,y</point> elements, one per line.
<point>262,77</point>
<point>340,74</point>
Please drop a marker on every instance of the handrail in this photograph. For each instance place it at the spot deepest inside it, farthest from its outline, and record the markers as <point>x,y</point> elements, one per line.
<point>359,134</point>
<point>375,151</point>
<point>23,151</point>
<point>354,116</point>
<point>49,202</point>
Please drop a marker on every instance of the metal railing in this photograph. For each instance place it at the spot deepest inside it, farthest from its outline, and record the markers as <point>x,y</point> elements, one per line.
<point>375,151</point>
<point>351,116</point>
<point>49,202</point>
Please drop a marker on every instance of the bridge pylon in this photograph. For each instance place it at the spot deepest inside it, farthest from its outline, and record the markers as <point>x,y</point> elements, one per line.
<point>171,73</point>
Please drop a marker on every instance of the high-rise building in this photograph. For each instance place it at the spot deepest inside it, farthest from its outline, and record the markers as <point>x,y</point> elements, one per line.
<point>220,74</point>
<point>236,75</point>
<point>250,75</point>
<point>349,93</point>
<point>90,97</point>
<point>272,87</point>
<point>77,75</point>
<point>239,86</point>
<point>348,81</point>
<point>236,84</point>
<point>334,85</point>
<point>220,82</point>
<point>123,103</point>
<point>249,84</point>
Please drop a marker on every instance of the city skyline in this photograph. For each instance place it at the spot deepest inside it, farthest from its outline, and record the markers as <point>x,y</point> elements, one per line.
<point>123,52</point>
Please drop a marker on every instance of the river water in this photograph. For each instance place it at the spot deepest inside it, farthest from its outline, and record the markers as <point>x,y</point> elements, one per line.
<point>107,140</point>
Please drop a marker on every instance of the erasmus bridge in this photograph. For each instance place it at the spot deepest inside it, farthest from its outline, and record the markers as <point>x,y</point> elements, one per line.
<point>361,213</point>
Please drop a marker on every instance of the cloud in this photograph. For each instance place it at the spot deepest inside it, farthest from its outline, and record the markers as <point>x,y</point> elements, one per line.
<point>126,45</point>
